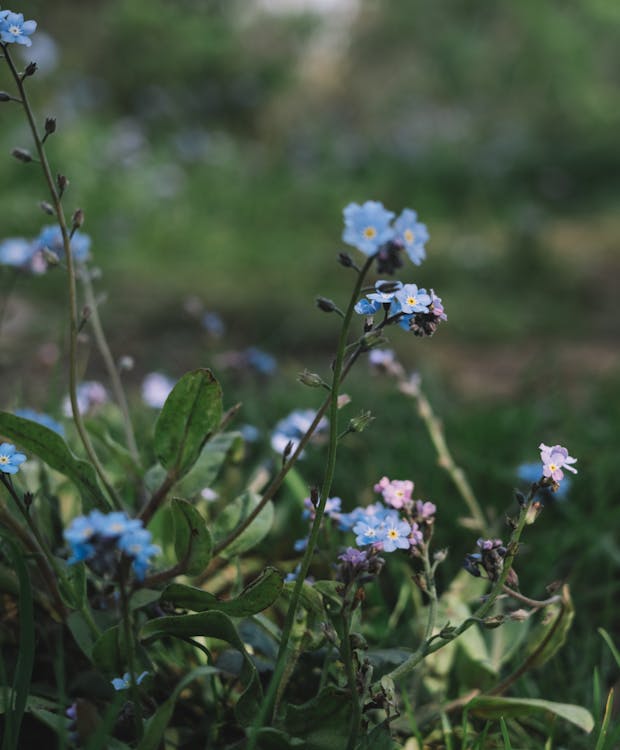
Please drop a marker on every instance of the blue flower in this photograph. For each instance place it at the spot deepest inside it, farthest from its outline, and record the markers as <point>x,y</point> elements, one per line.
<point>370,531</point>
<point>260,361</point>
<point>50,237</point>
<point>16,251</point>
<point>44,419</point>
<point>14,30</point>
<point>396,534</point>
<point>136,543</point>
<point>213,324</point>
<point>294,427</point>
<point>116,524</point>
<point>366,307</point>
<point>410,299</point>
<point>367,227</point>
<point>10,461</point>
<point>124,682</point>
<point>412,235</point>
<point>385,291</point>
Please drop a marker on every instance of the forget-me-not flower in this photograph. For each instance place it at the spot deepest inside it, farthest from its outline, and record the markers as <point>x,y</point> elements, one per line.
<point>16,251</point>
<point>124,682</point>
<point>10,460</point>
<point>412,235</point>
<point>14,30</point>
<point>367,227</point>
<point>412,300</point>
<point>555,458</point>
<point>50,237</point>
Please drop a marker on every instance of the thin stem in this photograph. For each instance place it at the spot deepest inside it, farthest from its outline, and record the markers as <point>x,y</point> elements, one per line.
<point>338,371</point>
<point>108,359</point>
<point>71,286</point>
<point>129,645</point>
<point>347,658</point>
<point>445,459</point>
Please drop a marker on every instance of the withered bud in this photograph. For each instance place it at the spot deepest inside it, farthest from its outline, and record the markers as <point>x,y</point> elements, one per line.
<point>62,182</point>
<point>314,496</point>
<point>78,218</point>
<point>50,125</point>
<point>519,615</point>
<point>30,69</point>
<point>325,304</point>
<point>310,379</point>
<point>440,555</point>
<point>46,208</point>
<point>21,154</point>
<point>288,449</point>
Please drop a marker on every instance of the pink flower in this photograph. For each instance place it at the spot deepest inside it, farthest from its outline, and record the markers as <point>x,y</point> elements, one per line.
<point>555,458</point>
<point>396,493</point>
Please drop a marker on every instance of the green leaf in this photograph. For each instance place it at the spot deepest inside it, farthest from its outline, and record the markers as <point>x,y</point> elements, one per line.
<point>81,633</point>
<point>25,655</point>
<point>257,596</point>
<point>233,515</point>
<point>607,638</point>
<point>52,449</point>
<point>192,540</point>
<point>492,707</point>
<point>378,738</point>
<point>108,653</point>
<point>212,625</point>
<point>322,722</point>
<point>191,414</point>
<point>156,726</point>
<point>209,463</point>
<point>550,635</point>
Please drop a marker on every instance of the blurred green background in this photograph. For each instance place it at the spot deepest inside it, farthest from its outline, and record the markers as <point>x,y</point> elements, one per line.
<point>213,146</point>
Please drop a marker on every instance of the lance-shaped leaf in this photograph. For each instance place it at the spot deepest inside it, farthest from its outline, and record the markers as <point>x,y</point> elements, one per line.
<point>191,414</point>
<point>52,450</point>
<point>257,596</point>
<point>192,540</point>
<point>212,625</point>
<point>548,637</point>
<point>492,707</point>
<point>233,515</point>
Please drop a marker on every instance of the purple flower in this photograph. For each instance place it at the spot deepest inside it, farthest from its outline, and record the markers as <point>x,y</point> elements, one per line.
<point>354,556</point>
<point>10,460</point>
<point>416,537</point>
<point>367,227</point>
<point>90,394</point>
<point>412,235</point>
<point>436,306</point>
<point>424,510</point>
<point>556,458</point>
<point>488,544</point>
<point>14,30</point>
<point>156,388</point>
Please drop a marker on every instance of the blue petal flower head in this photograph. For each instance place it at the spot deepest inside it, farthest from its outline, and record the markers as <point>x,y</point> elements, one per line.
<point>396,534</point>
<point>412,235</point>
<point>385,291</point>
<point>44,419</point>
<point>14,30</point>
<point>16,251</point>
<point>367,227</point>
<point>124,682</point>
<point>50,237</point>
<point>370,531</point>
<point>410,299</point>
<point>10,460</point>
<point>136,543</point>
<point>261,361</point>
<point>293,428</point>
<point>366,307</point>
<point>116,524</point>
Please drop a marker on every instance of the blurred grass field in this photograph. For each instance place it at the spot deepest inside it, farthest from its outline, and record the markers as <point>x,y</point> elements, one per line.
<point>213,158</point>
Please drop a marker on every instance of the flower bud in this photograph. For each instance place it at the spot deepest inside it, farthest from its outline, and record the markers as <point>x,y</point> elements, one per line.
<point>4,97</point>
<point>493,622</point>
<point>325,304</point>
<point>361,422</point>
<point>50,125</point>
<point>78,218</point>
<point>46,208</point>
<point>21,154</point>
<point>310,379</point>
<point>62,182</point>
<point>345,260</point>
<point>30,69</point>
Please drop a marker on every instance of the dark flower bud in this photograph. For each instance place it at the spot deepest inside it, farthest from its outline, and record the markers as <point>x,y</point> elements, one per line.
<point>288,449</point>
<point>28,498</point>
<point>325,304</point>
<point>21,154</point>
<point>30,69</point>
<point>46,208</point>
<point>493,622</point>
<point>314,496</point>
<point>520,497</point>
<point>62,182</point>
<point>345,260</point>
<point>50,125</point>
<point>4,97</point>
<point>78,218</point>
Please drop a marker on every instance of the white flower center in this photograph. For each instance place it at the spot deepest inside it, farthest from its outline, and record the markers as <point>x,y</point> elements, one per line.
<point>4,459</point>
<point>15,30</point>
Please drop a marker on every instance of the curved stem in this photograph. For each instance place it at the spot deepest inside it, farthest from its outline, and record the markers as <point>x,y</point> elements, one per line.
<point>71,286</point>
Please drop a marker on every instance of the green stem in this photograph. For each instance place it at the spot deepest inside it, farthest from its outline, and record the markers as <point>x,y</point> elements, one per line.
<point>108,359</point>
<point>429,647</point>
<point>338,370</point>
<point>347,658</point>
<point>71,285</point>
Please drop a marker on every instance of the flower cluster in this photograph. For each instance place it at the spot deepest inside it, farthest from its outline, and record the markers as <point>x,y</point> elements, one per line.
<point>100,540</point>
<point>10,460</point>
<point>399,522</point>
<point>292,428</point>
<point>14,30</point>
<point>34,256</point>
<point>412,308</point>
<point>368,228</point>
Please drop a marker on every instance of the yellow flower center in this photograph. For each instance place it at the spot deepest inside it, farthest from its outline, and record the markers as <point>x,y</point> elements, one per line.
<point>553,467</point>
<point>409,236</point>
<point>393,534</point>
<point>412,301</point>
<point>370,233</point>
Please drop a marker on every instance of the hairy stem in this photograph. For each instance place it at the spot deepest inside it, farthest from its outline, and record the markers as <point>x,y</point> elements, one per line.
<point>71,285</point>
